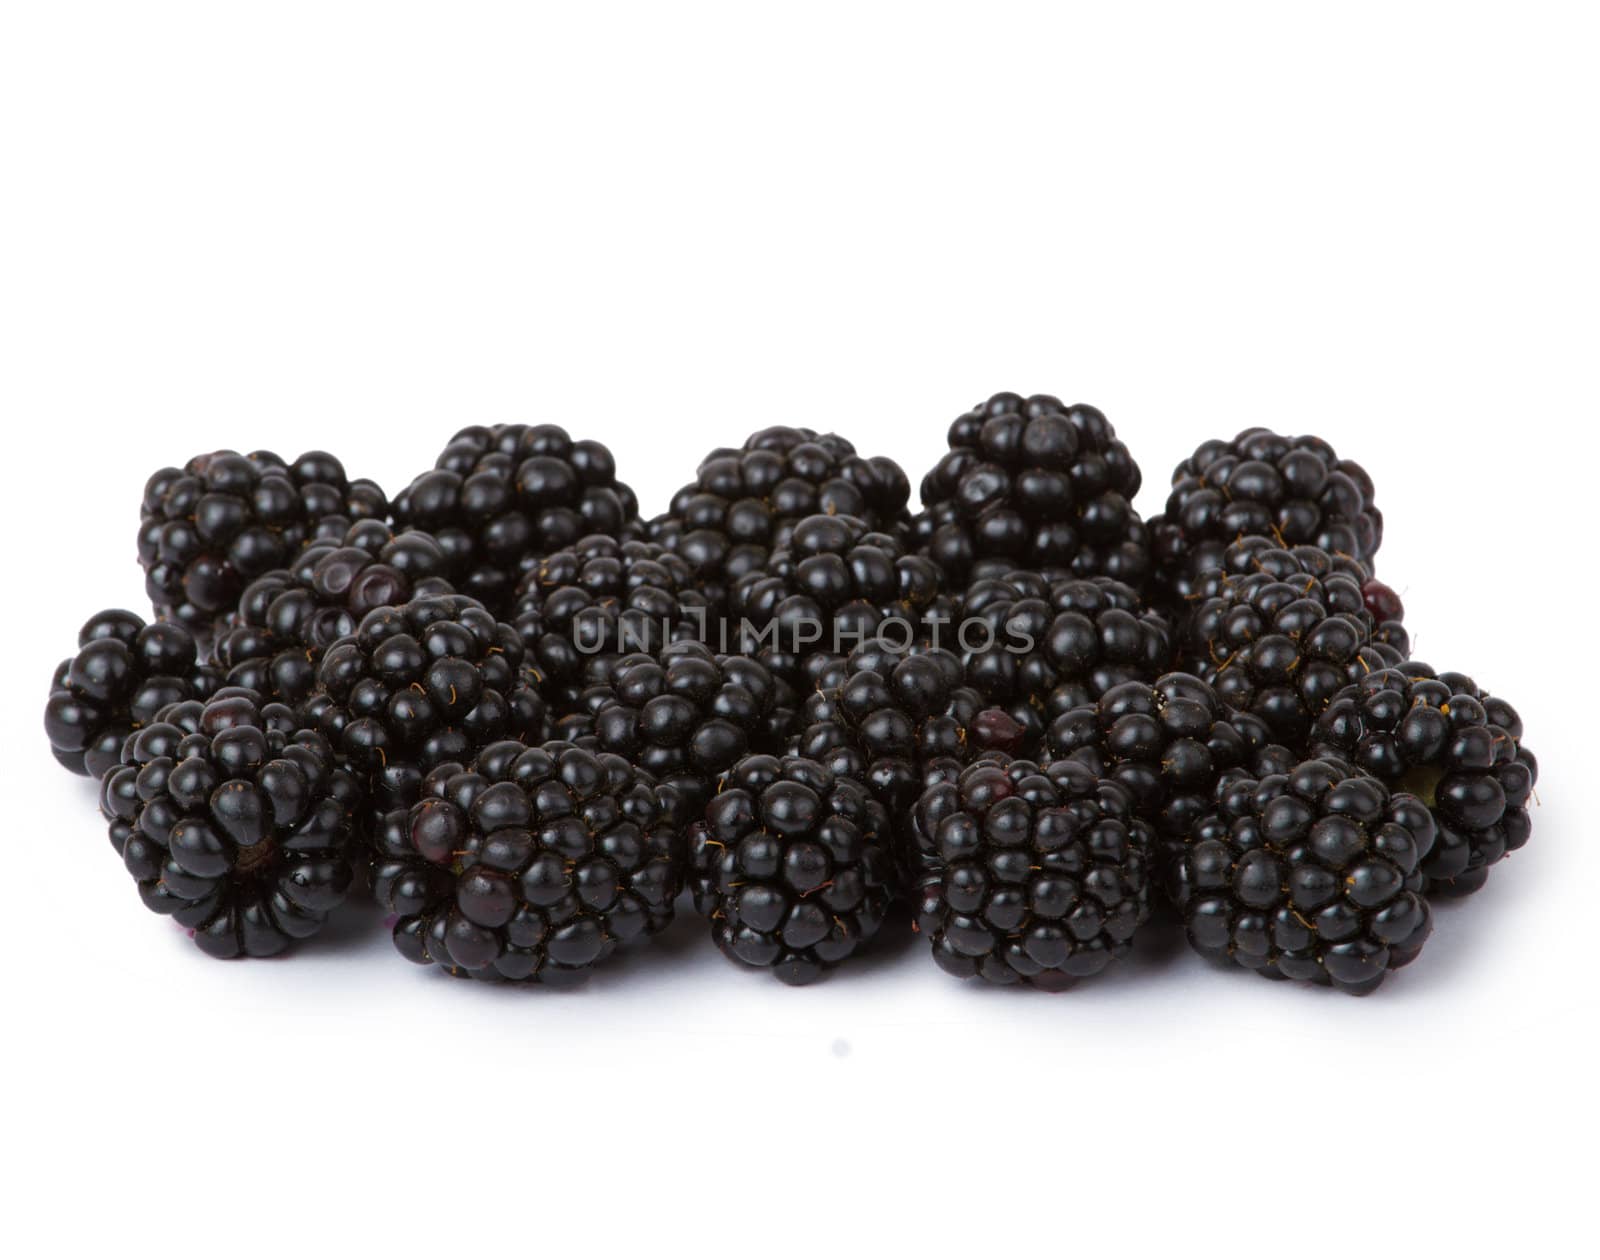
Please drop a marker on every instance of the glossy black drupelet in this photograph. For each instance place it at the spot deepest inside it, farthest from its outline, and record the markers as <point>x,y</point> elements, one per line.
<point>603,597</point>
<point>433,681</point>
<point>1295,489</point>
<point>501,498</point>
<point>124,673</point>
<point>1034,483</point>
<point>1278,631</point>
<point>274,641</point>
<point>1037,653</point>
<point>1039,874</point>
<point>1454,746</point>
<point>1311,875</point>
<point>835,585</point>
<point>792,866</point>
<point>235,820</point>
<point>687,715</point>
<point>534,864</point>
<point>208,529</point>
<point>1168,743</point>
<point>743,502</point>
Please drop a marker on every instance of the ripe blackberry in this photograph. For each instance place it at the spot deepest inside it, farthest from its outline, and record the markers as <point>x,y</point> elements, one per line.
<point>535,864</point>
<point>602,596</point>
<point>234,820</point>
<point>1033,483</point>
<point>501,498</point>
<point>1451,744</point>
<point>125,673</point>
<point>882,714</point>
<point>1168,743</point>
<point>1278,631</point>
<point>1041,874</point>
<point>208,529</point>
<point>834,585</point>
<point>1296,489</point>
<point>415,686</point>
<point>742,502</point>
<point>287,619</point>
<point>1038,653</point>
<point>1311,875</point>
<point>792,866</point>
<point>687,716</point>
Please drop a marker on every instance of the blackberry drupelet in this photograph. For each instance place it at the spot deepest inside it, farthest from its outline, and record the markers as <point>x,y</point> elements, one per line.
<point>1039,874</point>
<point>535,864</point>
<point>1311,875</point>
<point>1295,489</point>
<point>687,716</point>
<point>287,619</point>
<point>883,714</point>
<point>236,821</point>
<point>1454,746</point>
<point>743,502</point>
<point>1037,655</point>
<point>1034,483</point>
<point>125,672</point>
<point>1278,631</point>
<point>501,498</point>
<point>603,597</point>
<point>1168,743</point>
<point>208,529</point>
<point>835,584</point>
<point>793,866</point>
<point>432,681</point>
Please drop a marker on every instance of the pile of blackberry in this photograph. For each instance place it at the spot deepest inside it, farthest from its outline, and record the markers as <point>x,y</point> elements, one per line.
<point>1016,722</point>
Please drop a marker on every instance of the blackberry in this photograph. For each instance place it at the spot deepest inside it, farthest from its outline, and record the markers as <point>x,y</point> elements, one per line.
<point>602,596</point>
<point>1295,489</point>
<point>743,502</point>
<point>1454,746</point>
<point>687,716</point>
<point>1033,483</point>
<point>234,820</point>
<point>274,641</point>
<point>125,672</point>
<point>535,864</point>
<point>1039,653</point>
<point>792,865</point>
<point>208,529</point>
<point>835,584</point>
<point>501,498</point>
<point>1041,874</point>
<point>1168,743</point>
<point>1311,875</point>
<point>1279,630</point>
<point>883,714</point>
<point>419,685</point>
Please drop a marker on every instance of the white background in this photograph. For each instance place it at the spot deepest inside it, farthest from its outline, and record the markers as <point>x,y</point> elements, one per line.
<point>363,227</point>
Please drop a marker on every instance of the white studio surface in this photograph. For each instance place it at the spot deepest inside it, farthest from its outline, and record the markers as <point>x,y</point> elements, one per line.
<point>361,227</point>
